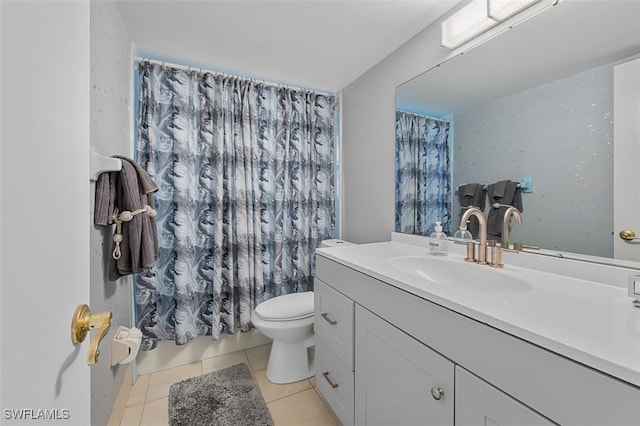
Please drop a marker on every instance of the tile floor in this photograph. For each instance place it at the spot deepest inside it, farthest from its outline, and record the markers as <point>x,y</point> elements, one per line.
<point>291,404</point>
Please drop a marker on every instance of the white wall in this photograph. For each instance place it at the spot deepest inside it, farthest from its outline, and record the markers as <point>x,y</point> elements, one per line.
<point>111,112</point>
<point>368,137</point>
<point>44,165</point>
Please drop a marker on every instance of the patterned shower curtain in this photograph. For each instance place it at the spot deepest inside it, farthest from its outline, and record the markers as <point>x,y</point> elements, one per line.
<point>423,174</point>
<point>246,177</point>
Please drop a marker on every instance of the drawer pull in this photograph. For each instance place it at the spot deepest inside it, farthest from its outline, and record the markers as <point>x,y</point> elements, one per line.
<point>437,393</point>
<point>327,319</point>
<point>331,383</point>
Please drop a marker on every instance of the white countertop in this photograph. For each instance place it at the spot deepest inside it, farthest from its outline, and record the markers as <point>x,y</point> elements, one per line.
<point>586,321</point>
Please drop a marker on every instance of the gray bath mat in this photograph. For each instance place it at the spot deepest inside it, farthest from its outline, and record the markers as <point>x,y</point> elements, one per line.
<point>227,397</point>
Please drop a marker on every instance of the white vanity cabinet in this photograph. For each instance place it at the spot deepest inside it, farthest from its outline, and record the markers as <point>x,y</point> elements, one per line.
<point>333,324</point>
<point>399,381</point>
<point>479,403</point>
<point>405,351</point>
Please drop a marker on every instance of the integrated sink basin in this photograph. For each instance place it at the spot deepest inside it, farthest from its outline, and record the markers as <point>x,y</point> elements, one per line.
<point>450,271</point>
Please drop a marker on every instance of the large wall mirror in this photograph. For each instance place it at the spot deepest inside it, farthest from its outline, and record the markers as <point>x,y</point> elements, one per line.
<point>537,102</point>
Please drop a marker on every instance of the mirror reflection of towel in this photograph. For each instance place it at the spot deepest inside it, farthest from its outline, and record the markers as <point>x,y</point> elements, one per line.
<point>472,195</point>
<point>502,192</point>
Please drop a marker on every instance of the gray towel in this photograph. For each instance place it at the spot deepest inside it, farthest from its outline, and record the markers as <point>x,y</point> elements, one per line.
<point>105,199</point>
<point>472,195</point>
<point>147,185</point>
<point>499,188</point>
<point>130,188</point>
<point>504,192</point>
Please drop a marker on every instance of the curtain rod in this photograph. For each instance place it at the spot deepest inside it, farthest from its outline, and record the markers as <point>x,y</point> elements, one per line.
<point>200,70</point>
<point>422,115</point>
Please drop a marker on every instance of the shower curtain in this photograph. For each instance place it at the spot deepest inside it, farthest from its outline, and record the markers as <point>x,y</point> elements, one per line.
<point>423,174</point>
<point>246,177</point>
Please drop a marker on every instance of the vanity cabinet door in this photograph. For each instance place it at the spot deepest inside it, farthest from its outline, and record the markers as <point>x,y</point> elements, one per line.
<point>398,380</point>
<point>479,403</point>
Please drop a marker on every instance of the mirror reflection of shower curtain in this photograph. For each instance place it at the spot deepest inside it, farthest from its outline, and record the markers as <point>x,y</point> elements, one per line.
<point>423,174</point>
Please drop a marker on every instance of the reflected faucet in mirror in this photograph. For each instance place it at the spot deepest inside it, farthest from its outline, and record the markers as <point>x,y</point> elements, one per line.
<point>511,211</point>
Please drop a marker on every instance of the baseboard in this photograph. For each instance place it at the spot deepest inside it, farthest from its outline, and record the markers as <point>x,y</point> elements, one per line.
<point>168,355</point>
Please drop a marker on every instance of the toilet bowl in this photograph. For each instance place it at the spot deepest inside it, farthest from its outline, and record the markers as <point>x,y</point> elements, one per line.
<point>288,320</point>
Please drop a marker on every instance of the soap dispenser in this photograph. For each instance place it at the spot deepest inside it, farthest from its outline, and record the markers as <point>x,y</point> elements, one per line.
<point>438,241</point>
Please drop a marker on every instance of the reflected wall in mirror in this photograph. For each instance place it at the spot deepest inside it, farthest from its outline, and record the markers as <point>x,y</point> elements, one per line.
<point>537,101</point>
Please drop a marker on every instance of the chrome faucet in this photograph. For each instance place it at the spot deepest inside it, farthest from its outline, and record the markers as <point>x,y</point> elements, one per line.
<point>511,211</point>
<point>482,233</point>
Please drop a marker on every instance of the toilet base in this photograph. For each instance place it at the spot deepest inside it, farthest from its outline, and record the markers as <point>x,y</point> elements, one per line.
<point>291,362</point>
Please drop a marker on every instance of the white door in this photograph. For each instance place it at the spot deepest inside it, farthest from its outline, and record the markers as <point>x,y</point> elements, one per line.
<point>626,149</point>
<point>44,210</point>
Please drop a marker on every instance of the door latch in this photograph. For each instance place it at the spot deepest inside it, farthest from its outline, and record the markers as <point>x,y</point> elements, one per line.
<point>83,321</point>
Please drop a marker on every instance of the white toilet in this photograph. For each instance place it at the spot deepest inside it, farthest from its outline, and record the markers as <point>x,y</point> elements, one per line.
<point>288,320</point>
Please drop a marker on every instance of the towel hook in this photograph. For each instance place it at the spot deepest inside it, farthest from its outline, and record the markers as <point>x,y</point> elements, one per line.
<point>99,164</point>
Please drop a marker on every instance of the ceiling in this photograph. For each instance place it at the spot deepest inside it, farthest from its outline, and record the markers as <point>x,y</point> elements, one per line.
<point>321,44</point>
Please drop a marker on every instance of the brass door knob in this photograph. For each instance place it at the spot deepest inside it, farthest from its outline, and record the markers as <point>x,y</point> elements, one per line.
<point>628,235</point>
<point>83,321</point>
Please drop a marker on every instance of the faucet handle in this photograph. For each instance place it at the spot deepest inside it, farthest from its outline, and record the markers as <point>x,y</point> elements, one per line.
<point>471,251</point>
<point>496,254</point>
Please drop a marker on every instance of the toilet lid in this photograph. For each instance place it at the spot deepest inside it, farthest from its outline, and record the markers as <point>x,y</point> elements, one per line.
<point>288,307</point>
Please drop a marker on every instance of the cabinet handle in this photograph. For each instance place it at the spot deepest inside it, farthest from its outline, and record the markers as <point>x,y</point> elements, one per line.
<point>331,383</point>
<point>437,393</point>
<point>327,319</point>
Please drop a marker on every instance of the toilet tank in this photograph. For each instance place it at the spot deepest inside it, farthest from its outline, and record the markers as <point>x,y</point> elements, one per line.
<point>334,243</point>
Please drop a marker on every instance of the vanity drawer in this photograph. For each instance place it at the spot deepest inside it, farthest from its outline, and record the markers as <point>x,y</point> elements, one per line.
<point>335,381</point>
<point>333,321</point>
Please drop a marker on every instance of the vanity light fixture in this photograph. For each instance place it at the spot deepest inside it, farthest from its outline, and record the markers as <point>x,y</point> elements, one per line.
<point>477,17</point>
<point>466,24</point>
<point>503,9</point>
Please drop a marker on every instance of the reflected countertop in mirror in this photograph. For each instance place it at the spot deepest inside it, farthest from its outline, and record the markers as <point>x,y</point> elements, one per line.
<point>537,101</point>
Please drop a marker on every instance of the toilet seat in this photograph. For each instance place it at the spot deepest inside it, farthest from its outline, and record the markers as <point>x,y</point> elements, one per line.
<point>290,307</point>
